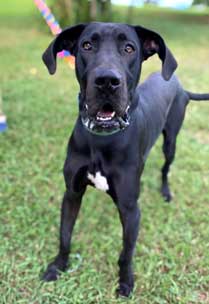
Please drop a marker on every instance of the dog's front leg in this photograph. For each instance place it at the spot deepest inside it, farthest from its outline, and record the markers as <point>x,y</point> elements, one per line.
<point>129,216</point>
<point>70,208</point>
<point>127,192</point>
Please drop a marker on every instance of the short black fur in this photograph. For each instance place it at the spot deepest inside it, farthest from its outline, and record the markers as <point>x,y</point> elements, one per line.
<point>108,66</point>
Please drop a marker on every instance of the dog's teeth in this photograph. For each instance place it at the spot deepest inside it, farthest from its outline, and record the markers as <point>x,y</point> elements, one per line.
<point>101,118</point>
<point>113,114</point>
<point>104,118</point>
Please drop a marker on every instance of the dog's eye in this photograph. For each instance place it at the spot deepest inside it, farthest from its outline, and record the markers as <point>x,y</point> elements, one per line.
<point>129,49</point>
<point>87,46</point>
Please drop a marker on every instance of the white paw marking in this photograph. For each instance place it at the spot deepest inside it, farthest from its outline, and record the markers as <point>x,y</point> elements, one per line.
<point>99,181</point>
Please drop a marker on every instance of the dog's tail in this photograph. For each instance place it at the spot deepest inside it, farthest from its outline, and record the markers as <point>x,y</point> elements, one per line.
<point>196,96</point>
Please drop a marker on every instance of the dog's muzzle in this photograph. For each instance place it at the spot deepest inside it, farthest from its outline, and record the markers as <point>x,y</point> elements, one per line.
<point>105,122</point>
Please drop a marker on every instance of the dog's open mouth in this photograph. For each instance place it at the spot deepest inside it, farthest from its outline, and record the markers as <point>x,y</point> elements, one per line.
<point>106,121</point>
<point>106,113</point>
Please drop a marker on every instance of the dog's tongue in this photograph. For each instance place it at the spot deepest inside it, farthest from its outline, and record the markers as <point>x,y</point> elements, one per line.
<point>105,114</point>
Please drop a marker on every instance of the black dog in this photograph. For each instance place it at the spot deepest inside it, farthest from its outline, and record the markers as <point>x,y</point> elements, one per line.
<point>118,123</point>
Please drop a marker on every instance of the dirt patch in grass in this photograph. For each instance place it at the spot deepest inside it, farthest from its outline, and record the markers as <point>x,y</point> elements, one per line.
<point>202,136</point>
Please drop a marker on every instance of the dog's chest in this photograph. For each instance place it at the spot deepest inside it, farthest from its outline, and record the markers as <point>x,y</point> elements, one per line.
<point>98,180</point>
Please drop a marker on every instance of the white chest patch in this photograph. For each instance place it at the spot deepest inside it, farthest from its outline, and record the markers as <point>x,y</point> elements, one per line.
<point>99,181</point>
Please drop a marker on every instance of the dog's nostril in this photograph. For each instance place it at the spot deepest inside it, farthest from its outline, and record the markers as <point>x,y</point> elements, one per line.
<point>100,81</point>
<point>115,81</point>
<point>107,81</point>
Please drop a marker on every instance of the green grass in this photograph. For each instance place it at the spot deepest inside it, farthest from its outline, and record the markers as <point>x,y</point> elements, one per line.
<point>172,255</point>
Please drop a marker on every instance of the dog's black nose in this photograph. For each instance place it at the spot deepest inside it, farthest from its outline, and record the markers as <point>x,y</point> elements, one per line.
<point>107,79</point>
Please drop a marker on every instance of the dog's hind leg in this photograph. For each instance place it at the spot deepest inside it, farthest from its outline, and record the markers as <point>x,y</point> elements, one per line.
<point>169,148</point>
<point>69,212</point>
<point>170,132</point>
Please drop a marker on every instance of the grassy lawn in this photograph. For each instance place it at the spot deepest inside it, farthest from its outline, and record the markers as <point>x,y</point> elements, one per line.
<point>172,255</point>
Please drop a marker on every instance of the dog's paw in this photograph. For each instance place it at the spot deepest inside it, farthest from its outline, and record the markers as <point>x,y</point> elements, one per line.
<point>124,290</point>
<point>166,194</point>
<point>167,197</point>
<point>51,274</point>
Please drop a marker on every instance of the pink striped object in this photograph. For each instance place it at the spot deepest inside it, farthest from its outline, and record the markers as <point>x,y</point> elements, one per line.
<point>55,29</point>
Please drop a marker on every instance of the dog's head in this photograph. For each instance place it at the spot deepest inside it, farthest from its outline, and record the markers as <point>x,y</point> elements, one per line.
<point>108,65</point>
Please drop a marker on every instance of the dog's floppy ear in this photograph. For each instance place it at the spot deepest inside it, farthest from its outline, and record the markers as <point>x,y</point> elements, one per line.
<point>153,43</point>
<point>66,40</point>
